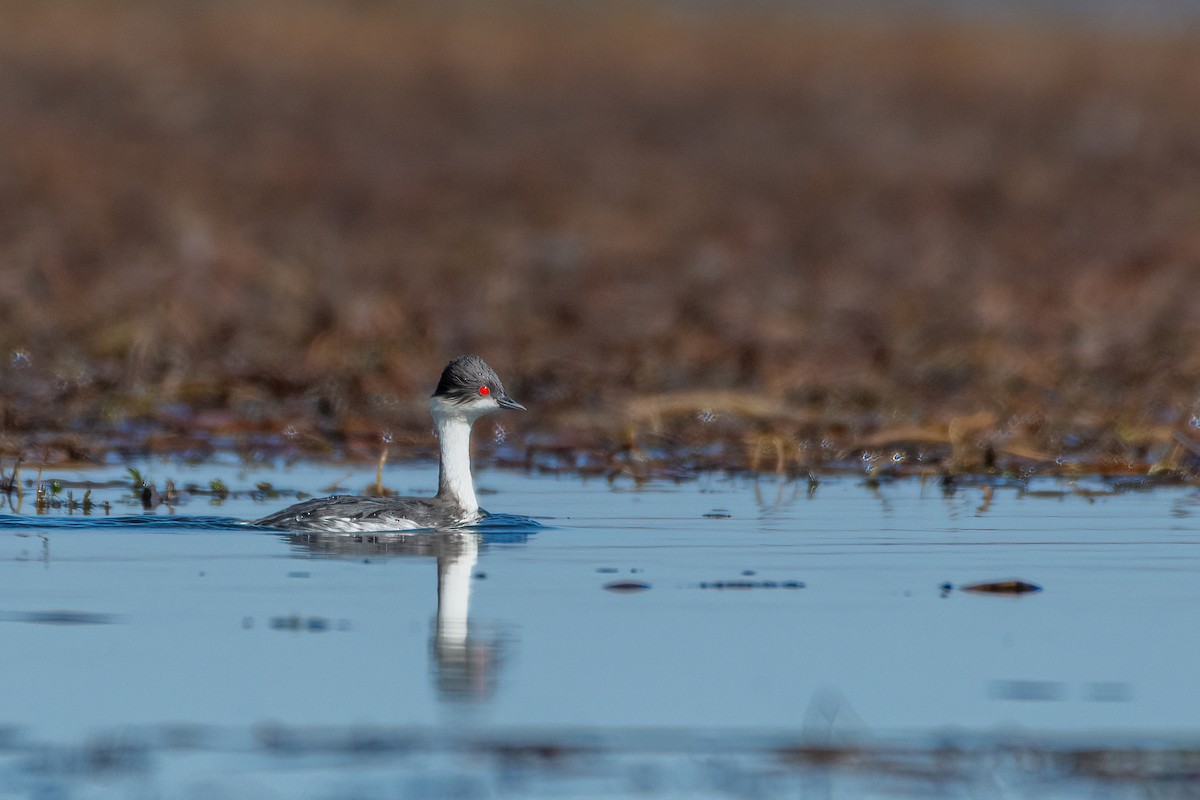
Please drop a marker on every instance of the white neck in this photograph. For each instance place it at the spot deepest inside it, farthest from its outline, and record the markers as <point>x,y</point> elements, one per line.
<point>454,459</point>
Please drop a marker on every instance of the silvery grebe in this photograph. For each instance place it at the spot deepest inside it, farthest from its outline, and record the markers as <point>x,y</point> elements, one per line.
<point>469,388</point>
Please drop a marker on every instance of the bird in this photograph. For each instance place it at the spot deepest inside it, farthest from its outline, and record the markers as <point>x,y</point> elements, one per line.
<point>468,390</point>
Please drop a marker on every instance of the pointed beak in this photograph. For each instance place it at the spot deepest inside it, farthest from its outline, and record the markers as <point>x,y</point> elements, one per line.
<point>505,401</point>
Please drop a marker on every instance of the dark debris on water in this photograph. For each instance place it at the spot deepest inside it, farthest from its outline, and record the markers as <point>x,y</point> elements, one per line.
<point>59,617</point>
<point>1014,587</point>
<point>751,585</point>
<point>626,587</point>
<point>297,623</point>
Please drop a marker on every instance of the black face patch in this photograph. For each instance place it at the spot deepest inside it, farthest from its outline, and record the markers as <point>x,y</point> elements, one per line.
<point>462,378</point>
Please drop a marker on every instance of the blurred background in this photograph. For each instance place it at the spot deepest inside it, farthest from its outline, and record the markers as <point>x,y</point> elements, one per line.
<point>726,230</point>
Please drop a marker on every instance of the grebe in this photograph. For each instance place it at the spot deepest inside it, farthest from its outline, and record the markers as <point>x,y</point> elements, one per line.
<point>469,388</point>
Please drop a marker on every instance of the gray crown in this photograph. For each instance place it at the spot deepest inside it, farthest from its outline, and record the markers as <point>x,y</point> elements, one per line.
<point>463,376</point>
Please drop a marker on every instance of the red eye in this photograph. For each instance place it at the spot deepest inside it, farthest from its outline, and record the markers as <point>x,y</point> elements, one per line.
<point>484,390</point>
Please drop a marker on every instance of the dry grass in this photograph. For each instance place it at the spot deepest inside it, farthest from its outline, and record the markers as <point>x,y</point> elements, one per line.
<point>231,219</point>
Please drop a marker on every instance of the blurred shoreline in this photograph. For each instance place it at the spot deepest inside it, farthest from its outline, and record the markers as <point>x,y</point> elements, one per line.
<point>749,238</point>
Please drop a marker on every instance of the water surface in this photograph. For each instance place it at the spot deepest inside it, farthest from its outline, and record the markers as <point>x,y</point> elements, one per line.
<point>758,615</point>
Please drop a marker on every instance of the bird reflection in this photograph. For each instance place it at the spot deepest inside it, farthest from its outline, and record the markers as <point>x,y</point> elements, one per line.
<point>464,664</point>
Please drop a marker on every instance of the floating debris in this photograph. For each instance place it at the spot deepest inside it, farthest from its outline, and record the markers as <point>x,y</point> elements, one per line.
<point>752,585</point>
<point>1052,691</point>
<point>626,587</point>
<point>1002,587</point>
<point>295,622</point>
<point>59,617</point>
<point>718,513</point>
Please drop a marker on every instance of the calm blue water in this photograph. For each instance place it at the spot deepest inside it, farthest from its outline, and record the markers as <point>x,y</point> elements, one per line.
<point>203,653</point>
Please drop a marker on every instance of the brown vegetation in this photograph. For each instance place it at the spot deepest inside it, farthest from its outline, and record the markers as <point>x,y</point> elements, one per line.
<point>794,239</point>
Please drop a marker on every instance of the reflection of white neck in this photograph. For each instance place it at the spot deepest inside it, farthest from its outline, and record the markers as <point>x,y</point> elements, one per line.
<point>454,591</point>
<point>454,474</point>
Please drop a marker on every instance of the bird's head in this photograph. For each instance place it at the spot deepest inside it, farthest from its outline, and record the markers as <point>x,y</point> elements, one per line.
<point>471,388</point>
